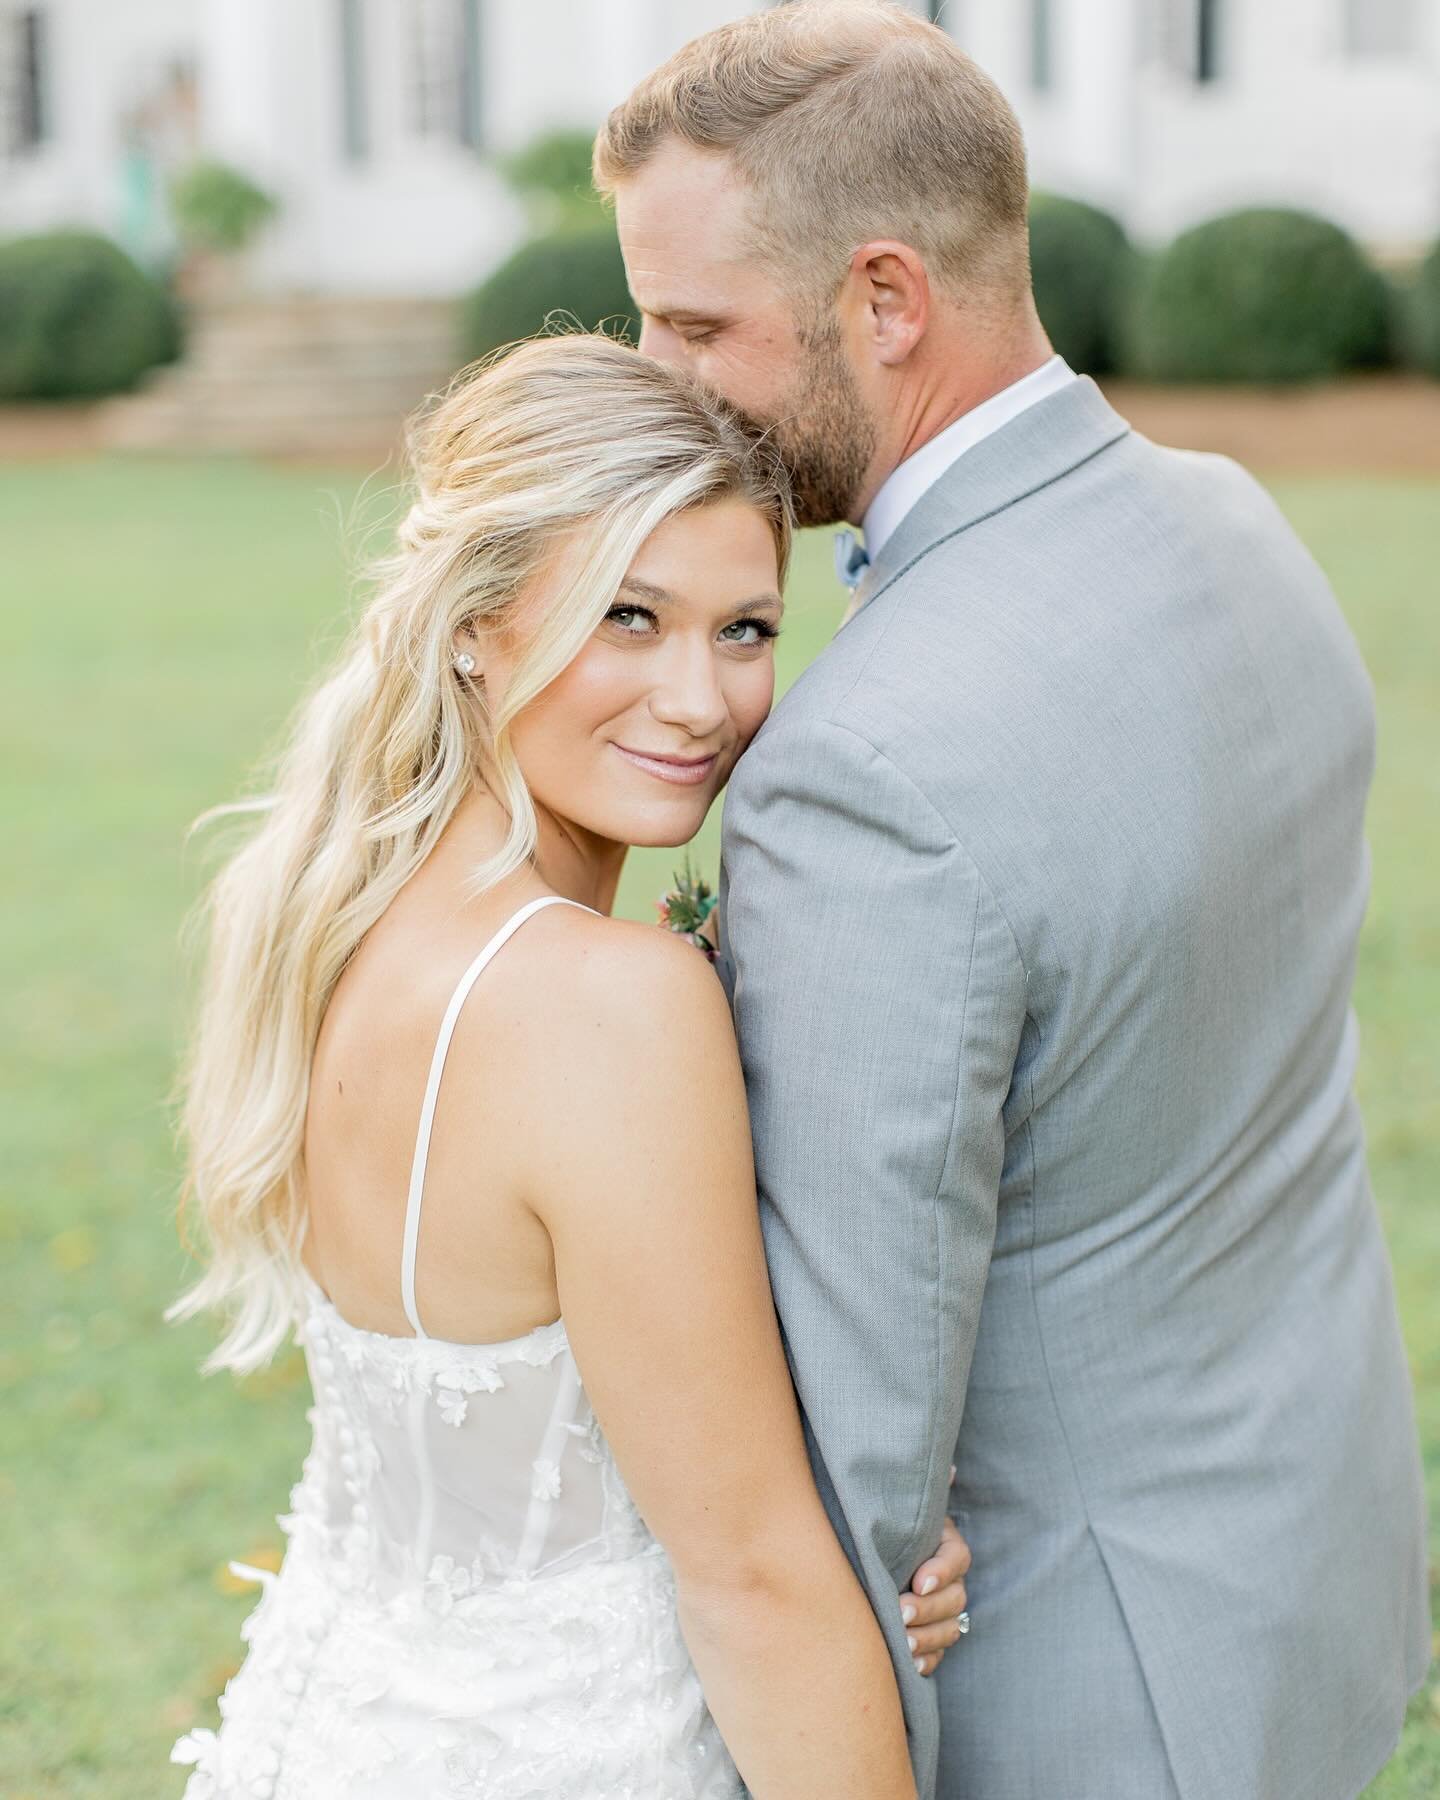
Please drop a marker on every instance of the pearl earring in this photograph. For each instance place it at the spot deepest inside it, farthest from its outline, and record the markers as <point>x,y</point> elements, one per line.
<point>464,663</point>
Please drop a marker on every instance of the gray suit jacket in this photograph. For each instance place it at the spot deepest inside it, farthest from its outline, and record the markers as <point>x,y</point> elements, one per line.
<point>1041,897</point>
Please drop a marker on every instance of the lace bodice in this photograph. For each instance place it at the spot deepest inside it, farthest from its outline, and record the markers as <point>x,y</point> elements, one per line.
<point>454,1466</point>
<point>471,1607</point>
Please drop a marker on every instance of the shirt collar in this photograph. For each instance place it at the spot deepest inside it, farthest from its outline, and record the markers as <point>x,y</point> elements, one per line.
<point>905,484</point>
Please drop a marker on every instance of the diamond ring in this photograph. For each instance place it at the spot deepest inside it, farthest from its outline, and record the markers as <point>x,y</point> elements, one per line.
<point>964,1623</point>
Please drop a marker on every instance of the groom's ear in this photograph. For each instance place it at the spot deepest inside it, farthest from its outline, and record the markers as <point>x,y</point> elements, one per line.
<point>892,287</point>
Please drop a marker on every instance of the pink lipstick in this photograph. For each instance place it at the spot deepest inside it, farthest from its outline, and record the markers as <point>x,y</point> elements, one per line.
<point>683,771</point>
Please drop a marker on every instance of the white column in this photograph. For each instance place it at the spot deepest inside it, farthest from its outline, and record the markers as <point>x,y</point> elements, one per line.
<point>1096,62</point>
<point>621,48</point>
<point>240,49</point>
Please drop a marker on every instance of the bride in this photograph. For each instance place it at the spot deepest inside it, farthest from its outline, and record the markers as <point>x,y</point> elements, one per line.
<point>501,1582</point>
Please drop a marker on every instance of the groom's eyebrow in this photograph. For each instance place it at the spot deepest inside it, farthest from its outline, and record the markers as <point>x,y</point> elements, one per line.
<point>684,315</point>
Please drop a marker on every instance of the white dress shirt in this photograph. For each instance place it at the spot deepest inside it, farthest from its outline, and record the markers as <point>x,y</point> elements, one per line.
<point>904,485</point>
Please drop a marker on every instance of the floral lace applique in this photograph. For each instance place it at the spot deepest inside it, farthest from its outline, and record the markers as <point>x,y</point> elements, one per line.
<point>198,1747</point>
<point>448,1582</point>
<point>545,1483</point>
<point>470,1766</point>
<point>453,1385</point>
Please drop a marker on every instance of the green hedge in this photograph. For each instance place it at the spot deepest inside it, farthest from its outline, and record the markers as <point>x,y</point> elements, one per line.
<point>218,208</point>
<point>1084,269</point>
<point>1425,312</point>
<point>1266,295</point>
<point>577,273</point>
<point>552,176</point>
<point>78,317</point>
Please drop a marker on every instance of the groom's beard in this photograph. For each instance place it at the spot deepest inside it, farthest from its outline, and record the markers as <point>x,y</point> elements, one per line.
<point>825,435</point>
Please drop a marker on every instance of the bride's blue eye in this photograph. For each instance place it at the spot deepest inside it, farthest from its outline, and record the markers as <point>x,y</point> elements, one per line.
<point>763,630</point>
<point>624,617</point>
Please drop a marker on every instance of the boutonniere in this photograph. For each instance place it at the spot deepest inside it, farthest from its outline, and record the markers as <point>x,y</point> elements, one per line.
<point>686,907</point>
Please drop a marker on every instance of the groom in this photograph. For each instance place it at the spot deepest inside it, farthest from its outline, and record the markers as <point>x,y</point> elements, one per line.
<point>1043,890</point>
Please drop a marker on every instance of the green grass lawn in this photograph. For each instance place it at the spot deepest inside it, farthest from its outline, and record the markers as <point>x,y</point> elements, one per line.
<point>159,619</point>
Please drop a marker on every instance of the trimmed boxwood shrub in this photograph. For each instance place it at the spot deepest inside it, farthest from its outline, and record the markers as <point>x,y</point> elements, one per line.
<point>78,317</point>
<point>552,176</point>
<point>1083,269</point>
<point>1264,295</point>
<point>1425,308</point>
<point>217,208</point>
<point>576,274</point>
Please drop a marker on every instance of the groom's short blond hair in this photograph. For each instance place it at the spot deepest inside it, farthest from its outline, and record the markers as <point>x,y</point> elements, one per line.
<point>849,120</point>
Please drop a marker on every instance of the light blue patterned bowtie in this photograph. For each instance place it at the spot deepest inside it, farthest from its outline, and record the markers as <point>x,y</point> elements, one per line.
<point>851,558</point>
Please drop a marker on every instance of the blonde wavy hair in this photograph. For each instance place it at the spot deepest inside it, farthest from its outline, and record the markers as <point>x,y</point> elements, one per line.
<point>556,460</point>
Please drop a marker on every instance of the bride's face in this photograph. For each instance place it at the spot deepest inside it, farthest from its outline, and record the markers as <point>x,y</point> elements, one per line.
<point>636,738</point>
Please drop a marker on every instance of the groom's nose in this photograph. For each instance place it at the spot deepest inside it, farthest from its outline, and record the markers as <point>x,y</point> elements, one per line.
<point>659,341</point>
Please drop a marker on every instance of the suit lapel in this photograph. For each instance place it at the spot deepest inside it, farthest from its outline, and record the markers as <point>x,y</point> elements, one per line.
<point>1047,441</point>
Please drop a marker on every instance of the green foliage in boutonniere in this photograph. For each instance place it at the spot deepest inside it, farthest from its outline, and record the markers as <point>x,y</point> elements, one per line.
<point>686,908</point>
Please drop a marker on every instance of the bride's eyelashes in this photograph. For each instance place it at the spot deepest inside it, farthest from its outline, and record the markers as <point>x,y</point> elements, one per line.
<point>618,613</point>
<point>764,630</point>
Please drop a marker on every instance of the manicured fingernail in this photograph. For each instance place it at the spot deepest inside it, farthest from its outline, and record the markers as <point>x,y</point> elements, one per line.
<point>912,1640</point>
<point>952,1474</point>
<point>929,1584</point>
<point>919,1666</point>
<point>907,1611</point>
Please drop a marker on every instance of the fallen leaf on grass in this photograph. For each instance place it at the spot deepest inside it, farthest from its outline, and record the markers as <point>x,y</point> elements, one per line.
<point>178,1713</point>
<point>286,1372</point>
<point>72,1249</point>
<point>219,1677</point>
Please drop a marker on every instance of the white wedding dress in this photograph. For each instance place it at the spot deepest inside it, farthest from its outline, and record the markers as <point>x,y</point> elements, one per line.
<point>470,1607</point>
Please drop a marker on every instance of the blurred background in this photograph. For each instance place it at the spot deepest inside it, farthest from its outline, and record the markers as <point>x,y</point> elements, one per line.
<point>239,241</point>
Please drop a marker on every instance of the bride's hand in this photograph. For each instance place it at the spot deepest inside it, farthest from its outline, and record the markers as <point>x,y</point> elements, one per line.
<point>932,1625</point>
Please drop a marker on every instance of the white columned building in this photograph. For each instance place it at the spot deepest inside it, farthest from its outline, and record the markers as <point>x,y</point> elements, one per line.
<point>1168,111</point>
<point>375,121</point>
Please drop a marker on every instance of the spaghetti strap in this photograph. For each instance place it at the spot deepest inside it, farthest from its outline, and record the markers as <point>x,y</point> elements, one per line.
<point>432,1092</point>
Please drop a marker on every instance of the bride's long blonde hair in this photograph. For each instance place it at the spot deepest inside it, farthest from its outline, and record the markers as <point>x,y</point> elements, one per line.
<point>572,444</point>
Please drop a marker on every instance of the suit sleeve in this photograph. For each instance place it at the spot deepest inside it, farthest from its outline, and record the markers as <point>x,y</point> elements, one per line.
<point>879,1000</point>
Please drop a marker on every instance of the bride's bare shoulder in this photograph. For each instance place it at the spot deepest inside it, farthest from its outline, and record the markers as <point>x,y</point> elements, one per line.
<point>618,1079</point>
<point>577,983</point>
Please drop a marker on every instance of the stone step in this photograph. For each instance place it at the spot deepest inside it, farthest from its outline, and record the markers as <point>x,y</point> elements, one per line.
<point>213,363</point>
<point>329,314</point>
<point>300,373</point>
<point>234,393</point>
<point>275,333</point>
